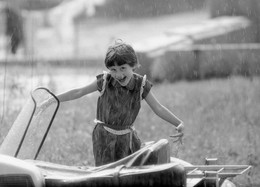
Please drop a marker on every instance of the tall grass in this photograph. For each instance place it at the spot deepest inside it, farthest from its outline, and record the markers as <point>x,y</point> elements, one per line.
<point>221,119</point>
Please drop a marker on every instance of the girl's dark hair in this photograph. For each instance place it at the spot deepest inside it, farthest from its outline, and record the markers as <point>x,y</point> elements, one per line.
<point>119,54</point>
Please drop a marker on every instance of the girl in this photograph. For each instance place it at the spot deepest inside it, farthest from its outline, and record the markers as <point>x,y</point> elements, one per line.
<point>121,91</point>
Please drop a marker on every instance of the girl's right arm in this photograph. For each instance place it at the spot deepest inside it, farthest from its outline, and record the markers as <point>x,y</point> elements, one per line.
<point>67,96</point>
<point>78,92</point>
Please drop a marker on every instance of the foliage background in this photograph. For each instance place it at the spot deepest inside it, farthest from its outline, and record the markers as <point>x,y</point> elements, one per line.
<point>144,8</point>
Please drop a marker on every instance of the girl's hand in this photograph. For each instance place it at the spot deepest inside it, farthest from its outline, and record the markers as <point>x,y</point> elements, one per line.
<point>179,135</point>
<point>180,128</point>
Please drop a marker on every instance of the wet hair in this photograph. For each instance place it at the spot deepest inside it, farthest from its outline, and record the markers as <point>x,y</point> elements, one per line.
<point>121,53</point>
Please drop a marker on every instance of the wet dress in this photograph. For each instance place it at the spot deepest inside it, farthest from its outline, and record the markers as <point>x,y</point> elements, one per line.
<point>117,108</point>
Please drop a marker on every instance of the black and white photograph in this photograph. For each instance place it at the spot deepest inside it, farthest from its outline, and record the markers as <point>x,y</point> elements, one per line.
<point>122,93</point>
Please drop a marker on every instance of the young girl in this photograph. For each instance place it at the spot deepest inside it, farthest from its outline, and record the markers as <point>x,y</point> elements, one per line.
<point>121,91</point>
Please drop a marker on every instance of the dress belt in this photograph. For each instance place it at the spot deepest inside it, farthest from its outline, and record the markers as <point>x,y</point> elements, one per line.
<point>118,132</point>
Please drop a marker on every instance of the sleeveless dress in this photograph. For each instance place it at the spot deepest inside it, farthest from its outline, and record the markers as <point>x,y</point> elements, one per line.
<point>117,108</point>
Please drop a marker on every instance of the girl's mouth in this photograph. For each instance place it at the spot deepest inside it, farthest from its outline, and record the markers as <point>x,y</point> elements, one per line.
<point>122,81</point>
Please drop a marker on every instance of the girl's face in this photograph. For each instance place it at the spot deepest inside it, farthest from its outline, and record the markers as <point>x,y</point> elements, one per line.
<point>122,74</point>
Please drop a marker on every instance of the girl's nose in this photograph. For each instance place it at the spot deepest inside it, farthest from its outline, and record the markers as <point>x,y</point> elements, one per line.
<point>119,75</point>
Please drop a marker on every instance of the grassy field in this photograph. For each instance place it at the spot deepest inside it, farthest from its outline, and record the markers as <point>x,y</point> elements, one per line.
<point>221,118</point>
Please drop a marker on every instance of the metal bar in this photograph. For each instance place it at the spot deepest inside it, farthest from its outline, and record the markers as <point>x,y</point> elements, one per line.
<point>216,167</point>
<point>195,175</point>
<point>221,175</point>
<point>225,175</point>
<point>192,171</point>
<point>219,169</point>
<point>249,167</point>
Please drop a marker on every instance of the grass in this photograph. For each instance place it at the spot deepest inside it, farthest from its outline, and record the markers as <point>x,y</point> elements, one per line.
<point>221,118</point>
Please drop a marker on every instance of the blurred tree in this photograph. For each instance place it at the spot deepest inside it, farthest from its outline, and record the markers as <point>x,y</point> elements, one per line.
<point>248,8</point>
<point>142,8</point>
<point>33,4</point>
<point>14,28</point>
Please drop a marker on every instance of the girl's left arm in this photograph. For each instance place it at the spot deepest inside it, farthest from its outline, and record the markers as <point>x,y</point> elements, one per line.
<point>163,112</point>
